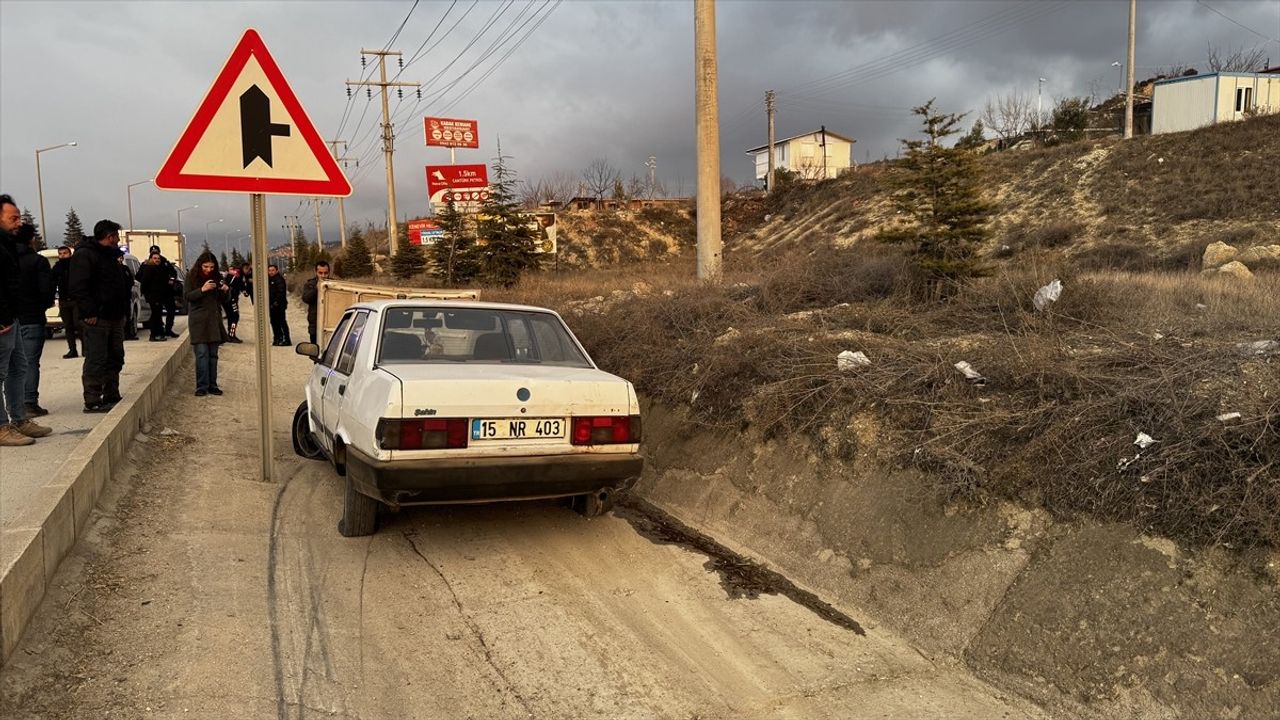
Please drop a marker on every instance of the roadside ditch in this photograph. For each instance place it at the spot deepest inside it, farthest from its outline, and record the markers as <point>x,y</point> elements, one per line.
<point>1086,619</point>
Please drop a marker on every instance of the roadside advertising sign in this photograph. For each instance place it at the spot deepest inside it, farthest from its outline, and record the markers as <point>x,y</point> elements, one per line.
<point>424,232</point>
<point>467,184</point>
<point>452,133</point>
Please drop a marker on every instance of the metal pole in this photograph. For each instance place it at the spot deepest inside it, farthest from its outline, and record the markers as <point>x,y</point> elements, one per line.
<point>768,106</point>
<point>342,213</point>
<point>705,83</point>
<point>1128,95</point>
<point>44,229</point>
<point>258,213</point>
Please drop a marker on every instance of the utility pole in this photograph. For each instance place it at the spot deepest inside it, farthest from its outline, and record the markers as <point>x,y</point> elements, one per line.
<point>319,233</point>
<point>342,213</point>
<point>652,164</point>
<point>824,152</point>
<point>708,122</point>
<point>769,109</point>
<point>388,135</point>
<point>1128,95</point>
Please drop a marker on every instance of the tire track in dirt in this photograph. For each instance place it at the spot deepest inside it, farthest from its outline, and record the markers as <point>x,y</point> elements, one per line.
<point>472,626</point>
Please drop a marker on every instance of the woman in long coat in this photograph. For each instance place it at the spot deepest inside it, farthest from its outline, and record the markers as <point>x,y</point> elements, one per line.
<point>206,292</point>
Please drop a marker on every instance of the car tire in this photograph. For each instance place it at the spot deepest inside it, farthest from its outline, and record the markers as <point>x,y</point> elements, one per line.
<point>359,513</point>
<point>304,441</point>
<point>593,504</point>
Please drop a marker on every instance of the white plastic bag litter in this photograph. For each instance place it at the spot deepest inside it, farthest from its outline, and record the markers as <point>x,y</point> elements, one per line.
<point>848,360</point>
<point>1047,295</point>
<point>973,376</point>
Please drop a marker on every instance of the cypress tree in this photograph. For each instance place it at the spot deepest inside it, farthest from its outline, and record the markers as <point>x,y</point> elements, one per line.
<point>454,254</point>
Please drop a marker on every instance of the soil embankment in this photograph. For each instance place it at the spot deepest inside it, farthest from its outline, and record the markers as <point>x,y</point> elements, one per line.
<point>1087,619</point>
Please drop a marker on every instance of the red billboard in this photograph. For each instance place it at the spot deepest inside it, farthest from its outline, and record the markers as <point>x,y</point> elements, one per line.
<point>451,132</point>
<point>424,231</point>
<point>467,184</point>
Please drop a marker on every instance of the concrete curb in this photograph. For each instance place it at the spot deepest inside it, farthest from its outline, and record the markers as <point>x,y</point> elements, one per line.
<point>35,546</point>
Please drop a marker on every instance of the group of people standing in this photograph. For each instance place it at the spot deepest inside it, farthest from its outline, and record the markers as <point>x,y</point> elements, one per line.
<point>95,292</point>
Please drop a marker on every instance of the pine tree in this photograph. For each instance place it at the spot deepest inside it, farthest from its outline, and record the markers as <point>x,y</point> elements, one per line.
<point>302,251</point>
<point>409,259</point>
<point>74,233</point>
<point>508,248</point>
<point>222,261</point>
<point>454,254</point>
<point>939,189</point>
<point>237,260</point>
<point>975,137</point>
<point>38,241</point>
<point>356,261</point>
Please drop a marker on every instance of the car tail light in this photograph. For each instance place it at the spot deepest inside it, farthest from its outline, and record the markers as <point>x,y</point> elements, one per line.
<point>605,430</point>
<point>426,434</point>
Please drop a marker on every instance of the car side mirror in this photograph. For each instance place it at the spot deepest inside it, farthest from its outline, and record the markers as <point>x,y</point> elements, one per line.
<point>311,350</point>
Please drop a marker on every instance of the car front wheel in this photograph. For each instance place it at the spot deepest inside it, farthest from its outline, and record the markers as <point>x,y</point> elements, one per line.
<point>304,442</point>
<point>359,513</point>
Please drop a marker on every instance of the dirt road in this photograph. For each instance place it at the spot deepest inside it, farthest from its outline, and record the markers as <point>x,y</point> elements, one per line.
<point>202,592</point>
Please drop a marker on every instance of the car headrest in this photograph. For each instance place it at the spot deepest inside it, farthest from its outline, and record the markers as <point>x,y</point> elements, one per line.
<point>401,346</point>
<point>491,346</point>
<point>399,319</point>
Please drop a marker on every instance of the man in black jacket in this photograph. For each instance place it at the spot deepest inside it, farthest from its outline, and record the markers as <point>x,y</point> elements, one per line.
<point>311,295</point>
<point>154,278</point>
<point>175,289</point>
<point>277,304</point>
<point>101,293</point>
<point>66,308</point>
<point>16,429</point>
<point>35,286</point>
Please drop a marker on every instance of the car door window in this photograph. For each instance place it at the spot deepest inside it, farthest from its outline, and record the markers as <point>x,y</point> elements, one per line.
<point>347,360</point>
<point>335,341</point>
<point>554,345</point>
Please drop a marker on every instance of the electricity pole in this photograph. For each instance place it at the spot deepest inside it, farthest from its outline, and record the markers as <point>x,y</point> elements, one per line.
<point>652,164</point>
<point>708,122</point>
<point>388,135</point>
<point>1128,95</point>
<point>342,213</point>
<point>319,233</point>
<point>769,108</point>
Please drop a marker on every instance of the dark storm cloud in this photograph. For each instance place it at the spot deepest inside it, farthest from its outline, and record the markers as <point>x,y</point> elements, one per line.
<point>597,79</point>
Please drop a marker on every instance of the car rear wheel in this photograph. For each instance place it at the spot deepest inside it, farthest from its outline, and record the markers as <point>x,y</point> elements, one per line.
<point>359,513</point>
<point>594,504</point>
<point>304,442</point>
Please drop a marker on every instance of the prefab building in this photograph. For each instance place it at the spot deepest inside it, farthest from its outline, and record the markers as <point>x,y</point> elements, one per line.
<point>813,155</point>
<point>1187,103</point>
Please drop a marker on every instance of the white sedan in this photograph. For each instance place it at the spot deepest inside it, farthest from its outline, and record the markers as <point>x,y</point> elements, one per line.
<point>423,402</point>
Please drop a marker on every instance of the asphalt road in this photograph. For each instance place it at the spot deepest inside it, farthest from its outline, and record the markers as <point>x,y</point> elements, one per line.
<point>202,592</point>
<point>24,470</point>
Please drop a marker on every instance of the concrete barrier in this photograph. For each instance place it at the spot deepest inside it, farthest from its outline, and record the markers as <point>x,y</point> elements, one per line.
<point>32,548</point>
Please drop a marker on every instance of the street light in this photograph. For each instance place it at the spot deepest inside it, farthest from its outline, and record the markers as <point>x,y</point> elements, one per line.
<point>44,229</point>
<point>129,193</point>
<point>180,211</point>
<point>1039,102</point>
<point>1120,81</point>
<point>226,245</point>
<point>206,230</point>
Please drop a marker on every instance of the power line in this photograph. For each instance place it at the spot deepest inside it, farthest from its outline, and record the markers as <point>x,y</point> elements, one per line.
<point>1231,20</point>
<point>346,112</point>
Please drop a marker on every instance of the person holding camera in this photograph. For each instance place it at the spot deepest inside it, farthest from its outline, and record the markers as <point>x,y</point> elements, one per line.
<point>169,297</point>
<point>206,292</point>
<point>154,279</point>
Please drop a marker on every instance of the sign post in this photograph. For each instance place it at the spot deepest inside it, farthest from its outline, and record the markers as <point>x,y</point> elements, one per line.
<point>250,135</point>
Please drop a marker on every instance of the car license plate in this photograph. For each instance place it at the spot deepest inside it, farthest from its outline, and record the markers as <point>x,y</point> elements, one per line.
<point>517,428</point>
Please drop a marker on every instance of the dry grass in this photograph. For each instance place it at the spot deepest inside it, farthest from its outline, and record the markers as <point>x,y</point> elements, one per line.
<point>1068,390</point>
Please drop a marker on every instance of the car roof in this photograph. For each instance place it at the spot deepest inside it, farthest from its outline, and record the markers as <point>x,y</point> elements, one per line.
<point>378,305</point>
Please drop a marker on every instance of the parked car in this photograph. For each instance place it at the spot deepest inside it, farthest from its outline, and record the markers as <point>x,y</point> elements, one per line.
<point>139,311</point>
<point>425,402</point>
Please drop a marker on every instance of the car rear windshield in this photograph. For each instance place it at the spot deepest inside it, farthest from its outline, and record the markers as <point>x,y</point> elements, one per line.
<point>431,334</point>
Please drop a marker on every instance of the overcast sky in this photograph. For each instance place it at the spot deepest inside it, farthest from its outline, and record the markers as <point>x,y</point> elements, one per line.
<point>595,79</point>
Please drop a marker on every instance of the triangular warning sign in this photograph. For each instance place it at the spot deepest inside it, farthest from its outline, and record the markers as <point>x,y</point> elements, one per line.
<point>251,135</point>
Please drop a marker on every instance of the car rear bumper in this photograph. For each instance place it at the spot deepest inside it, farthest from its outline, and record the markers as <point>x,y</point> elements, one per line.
<point>462,480</point>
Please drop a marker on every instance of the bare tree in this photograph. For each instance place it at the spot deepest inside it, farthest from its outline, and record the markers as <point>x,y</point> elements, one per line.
<point>1009,115</point>
<point>727,185</point>
<point>599,177</point>
<point>638,187</point>
<point>1237,60</point>
<point>535,193</point>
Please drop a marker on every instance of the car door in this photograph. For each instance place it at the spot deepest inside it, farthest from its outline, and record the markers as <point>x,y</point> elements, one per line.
<point>335,389</point>
<point>319,382</point>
